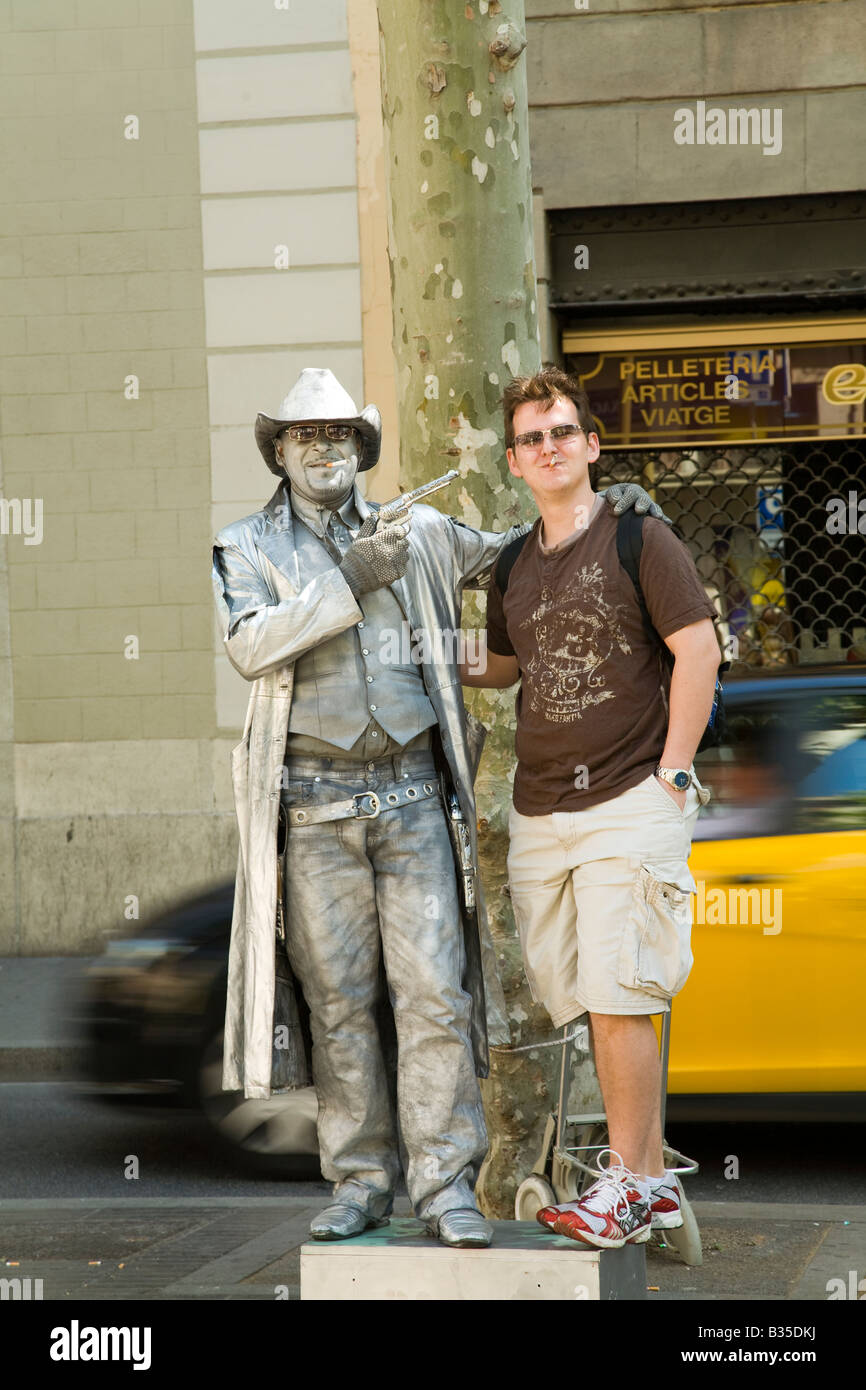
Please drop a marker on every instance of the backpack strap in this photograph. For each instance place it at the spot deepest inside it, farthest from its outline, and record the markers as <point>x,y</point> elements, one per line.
<point>629,544</point>
<point>507,558</point>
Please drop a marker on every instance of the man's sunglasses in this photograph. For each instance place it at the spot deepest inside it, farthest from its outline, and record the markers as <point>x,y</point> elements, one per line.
<point>305,434</point>
<point>534,439</point>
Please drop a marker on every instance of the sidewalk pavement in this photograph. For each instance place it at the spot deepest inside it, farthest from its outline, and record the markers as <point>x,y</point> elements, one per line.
<point>238,1248</point>
<point>248,1247</point>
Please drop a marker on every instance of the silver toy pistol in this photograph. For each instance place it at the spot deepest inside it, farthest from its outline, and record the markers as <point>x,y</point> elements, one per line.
<point>391,510</point>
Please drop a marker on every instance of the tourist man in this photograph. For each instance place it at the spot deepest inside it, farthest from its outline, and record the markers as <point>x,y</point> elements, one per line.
<point>605,796</point>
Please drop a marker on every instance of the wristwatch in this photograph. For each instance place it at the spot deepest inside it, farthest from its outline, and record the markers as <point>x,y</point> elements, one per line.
<point>676,777</point>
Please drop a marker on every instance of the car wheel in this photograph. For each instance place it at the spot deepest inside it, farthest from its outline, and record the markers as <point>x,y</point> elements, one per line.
<point>277,1135</point>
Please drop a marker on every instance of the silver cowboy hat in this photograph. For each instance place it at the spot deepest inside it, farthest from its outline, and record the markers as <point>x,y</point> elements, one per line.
<point>316,397</point>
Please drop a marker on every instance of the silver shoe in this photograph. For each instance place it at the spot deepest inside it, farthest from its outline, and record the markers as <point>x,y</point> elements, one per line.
<point>464,1227</point>
<point>342,1220</point>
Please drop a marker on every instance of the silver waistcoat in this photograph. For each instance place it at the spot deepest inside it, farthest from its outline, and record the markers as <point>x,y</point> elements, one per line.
<point>362,674</point>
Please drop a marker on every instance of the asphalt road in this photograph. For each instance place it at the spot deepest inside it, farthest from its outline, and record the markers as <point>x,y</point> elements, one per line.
<point>55,1142</point>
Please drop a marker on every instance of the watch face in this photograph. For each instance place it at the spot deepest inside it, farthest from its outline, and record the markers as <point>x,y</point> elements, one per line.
<point>681,781</point>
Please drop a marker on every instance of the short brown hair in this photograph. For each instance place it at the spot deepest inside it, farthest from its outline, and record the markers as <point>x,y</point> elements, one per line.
<point>542,389</point>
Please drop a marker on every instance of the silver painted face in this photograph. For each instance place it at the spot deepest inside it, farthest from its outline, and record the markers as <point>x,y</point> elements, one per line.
<point>322,471</point>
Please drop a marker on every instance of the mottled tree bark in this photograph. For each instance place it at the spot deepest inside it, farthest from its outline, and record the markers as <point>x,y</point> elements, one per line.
<point>465,321</point>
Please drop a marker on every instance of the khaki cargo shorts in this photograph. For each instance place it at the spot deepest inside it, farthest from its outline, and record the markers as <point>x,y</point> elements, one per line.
<point>602,902</point>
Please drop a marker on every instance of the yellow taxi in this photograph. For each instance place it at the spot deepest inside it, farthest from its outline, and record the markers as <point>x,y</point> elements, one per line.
<point>773,1016</point>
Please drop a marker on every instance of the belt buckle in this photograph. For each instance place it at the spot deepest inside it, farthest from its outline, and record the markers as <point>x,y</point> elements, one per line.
<point>366,796</point>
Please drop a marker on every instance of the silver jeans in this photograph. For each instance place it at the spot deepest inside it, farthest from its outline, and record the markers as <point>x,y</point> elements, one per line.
<point>353,888</point>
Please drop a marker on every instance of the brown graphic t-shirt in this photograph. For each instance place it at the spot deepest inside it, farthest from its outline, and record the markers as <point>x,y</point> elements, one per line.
<point>592,705</point>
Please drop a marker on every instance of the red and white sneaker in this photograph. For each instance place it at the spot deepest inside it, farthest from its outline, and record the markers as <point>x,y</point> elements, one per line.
<point>614,1211</point>
<point>664,1202</point>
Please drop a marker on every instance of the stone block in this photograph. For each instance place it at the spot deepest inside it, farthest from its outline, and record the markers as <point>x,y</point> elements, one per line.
<point>133,49</point>
<point>32,375</point>
<point>56,547</point>
<point>55,333</point>
<point>106,14</point>
<point>199,713</point>
<point>639,56</point>
<point>221,751</point>
<point>174,249</point>
<point>268,86</point>
<point>9,938</point>
<point>104,629</point>
<point>184,581</point>
<point>29,52</point>
<point>13,336</point>
<point>160,629</point>
<point>109,535</point>
<point>118,332</point>
<point>110,410</point>
<point>525,1263</point>
<point>317,228</point>
<point>782,48</point>
<point>188,368</point>
<point>11,262</point>
<point>237,465</point>
<point>41,677</point>
<point>163,717</point>
<point>183,328</point>
<point>93,215</point>
<point>60,414</point>
<point>22,588</point>
<point>319,154</point>
<point>7,787</point>
<point>97,294</point>
<point>154,450</point>
<point>179,409</point>
<point>196,629</point>
<point>181,487</point>
<point>220,24</point>
<point>32,295</point>
<point>834,149</point>
<point>156,533</point>
<point>50,255</point>
<point>290,306</point>
<point>119,584</point>
<point>119,252</point>
<point>77,873</point>
<point>44,721</point>
<point>60,586</point>
<point>187,673</point>
<point>100,451</point>
<point>40,14</point>
<point>113,717</point>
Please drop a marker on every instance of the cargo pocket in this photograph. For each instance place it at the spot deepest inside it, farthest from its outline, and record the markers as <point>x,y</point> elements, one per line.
<point>656,954</point>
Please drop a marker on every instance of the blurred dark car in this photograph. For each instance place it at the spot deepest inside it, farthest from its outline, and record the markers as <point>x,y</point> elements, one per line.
<point>770,1021</point>
<point>151,1023</point>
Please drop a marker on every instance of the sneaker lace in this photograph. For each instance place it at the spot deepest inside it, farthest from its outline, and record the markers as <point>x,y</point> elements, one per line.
<point>610,1192</point>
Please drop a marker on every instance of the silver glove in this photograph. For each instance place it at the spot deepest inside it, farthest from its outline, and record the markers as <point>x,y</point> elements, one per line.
<point>621,496</point>
<point>375,560</point>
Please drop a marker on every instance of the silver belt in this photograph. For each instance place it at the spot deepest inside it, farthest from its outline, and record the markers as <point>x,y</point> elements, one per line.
<point>375,804</point>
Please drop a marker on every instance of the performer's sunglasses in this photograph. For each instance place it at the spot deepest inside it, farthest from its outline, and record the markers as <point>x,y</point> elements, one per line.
<point>534,439</point>
<point>305,434</point>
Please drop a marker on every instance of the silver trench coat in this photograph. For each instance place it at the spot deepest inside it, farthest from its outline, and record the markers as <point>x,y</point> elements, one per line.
<point>255,567</point>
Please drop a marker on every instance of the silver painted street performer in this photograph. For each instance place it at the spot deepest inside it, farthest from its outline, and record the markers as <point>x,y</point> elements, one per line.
<point>351,732</point>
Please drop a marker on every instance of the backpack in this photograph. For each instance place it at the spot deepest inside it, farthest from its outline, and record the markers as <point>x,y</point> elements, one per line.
<point>629,543</point>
